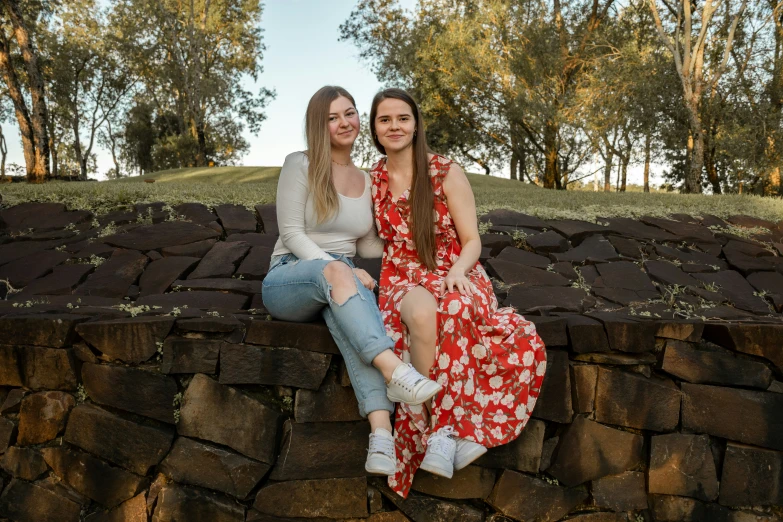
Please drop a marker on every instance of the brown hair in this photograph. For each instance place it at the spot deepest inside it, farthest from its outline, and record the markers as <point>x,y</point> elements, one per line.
<point>319,151</point>
<point>422,196</point>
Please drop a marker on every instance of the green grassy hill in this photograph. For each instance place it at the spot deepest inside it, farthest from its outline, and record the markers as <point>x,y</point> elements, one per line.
<point>255,185</point>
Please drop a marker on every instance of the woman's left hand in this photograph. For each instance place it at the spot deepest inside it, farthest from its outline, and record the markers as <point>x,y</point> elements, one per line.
<point>457,279</point>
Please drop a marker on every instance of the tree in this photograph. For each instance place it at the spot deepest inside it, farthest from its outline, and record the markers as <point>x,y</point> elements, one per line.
<point>23,78</point>
<point>687,46</point>
<point>191,56</point>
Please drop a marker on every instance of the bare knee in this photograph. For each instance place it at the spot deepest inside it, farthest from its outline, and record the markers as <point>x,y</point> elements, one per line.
<point>340,277</point>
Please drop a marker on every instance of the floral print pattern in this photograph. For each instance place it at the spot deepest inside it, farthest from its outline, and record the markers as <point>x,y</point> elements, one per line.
<point>489,360</point>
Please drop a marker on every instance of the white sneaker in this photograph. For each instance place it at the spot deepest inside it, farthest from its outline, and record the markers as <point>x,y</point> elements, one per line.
<point>467,452</point>
<point>439,458</point>
<point>381,458</point>
<point>409,386</point>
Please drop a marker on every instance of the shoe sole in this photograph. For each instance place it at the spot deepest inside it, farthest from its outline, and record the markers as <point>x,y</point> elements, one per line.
<point>469,457</point>
<point>379,472</point>
<point>437,470</point>
<point>428,397</point>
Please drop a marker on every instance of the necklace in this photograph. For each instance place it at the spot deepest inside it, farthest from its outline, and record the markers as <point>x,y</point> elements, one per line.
<point>343,164</point>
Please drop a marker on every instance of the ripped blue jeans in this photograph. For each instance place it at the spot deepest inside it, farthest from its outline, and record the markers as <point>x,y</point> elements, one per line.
<point>297,290</point>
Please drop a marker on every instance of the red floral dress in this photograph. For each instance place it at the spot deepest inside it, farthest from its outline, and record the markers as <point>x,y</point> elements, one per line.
<point>489,360</point>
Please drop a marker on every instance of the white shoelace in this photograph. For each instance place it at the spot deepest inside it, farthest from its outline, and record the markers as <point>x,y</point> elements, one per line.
<point>441,441</point>
<point>380,444</point>
<point>409,379</point>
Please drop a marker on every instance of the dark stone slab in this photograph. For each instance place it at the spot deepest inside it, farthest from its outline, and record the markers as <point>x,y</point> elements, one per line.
<point>751,249</point>
<point>586,335</point>
<point>689,331</point>
<point>629,248</point>
<point>631,400</point>
<point>689,256</point>
<point>159,275</point>
<point>256,264</point>
<point>589,450</point>
<point>195,299</point>
<point>133,510</point>
<point>560,299</point>
<point>25,270</point>
<point>682,464</point>
<point>689,232</point>
<point>623,296</point>
<point>515,274</point>
<point>552,330</point>
<point>55,330</point>
<point>23,215</point>
<point>626,334</point>
<point>25,502</point>
<point>198,249</point>
<point>133,446</point>
<point>511,218</point>
<point>496,243</point>
<point>42,416</point>
<point>769,283</point>
<point>470,482</point>
<point>23,463</point>
<point>623,492</point>
<point>178,503</point>
<point>763,340</point>
<point>47,368</point>
<point>130,389</point>
<point>666,508</point>
<point>330,498</point>
<point>554,402</point>
<point>625,275</point>
<point>161,235</point>
<point>13,401</point>
<point>236,286</point>
<point>566,270</point>
<point>423,507</point>
<point>236,218</point>
<point>584,378</point>
<point>7,433</point>
<point>617,358</point>
<point>668,274</point>
<point>131,340</point>
<point>576,231</point>
<point>751,477</point>
<point>183,355</point>
<point>593,249</point>
<point>736,289</point>
<point>246,364</point>
<point>708,367</point>
<point>267,216</point>
<point>208,466</point>
<point>749,264</point>
<point>209,324</point>
<point>332,402</point>
<point>115,276</point>
<point>547,242</point>
<point>62,280</point>
<point>93,478</point>
<point>523,454</point>
<point>522,497</point>
<point>314,337</point>
<point>253,239</point>
<point>195,213</point>
<point>220,261</point>
<point>522,257</point>
<point>322,450</point>
<point>635,229</point>
<point>714,410</point>
<point>224,415</point>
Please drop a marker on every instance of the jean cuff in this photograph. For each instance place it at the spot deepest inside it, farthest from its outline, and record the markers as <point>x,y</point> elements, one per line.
<point>370,352</point>
<point>375,403</point>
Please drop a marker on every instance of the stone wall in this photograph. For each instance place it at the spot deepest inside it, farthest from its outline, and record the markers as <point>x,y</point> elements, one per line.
<point>141,379</point>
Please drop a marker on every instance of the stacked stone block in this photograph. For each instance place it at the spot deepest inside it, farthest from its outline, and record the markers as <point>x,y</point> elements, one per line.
<point>154,387</point>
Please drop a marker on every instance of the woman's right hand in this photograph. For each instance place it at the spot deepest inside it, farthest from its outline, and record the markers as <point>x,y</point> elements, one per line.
<point>365,278</point>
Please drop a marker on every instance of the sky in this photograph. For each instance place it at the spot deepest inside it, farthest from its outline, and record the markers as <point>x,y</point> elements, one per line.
<point>302,55</point>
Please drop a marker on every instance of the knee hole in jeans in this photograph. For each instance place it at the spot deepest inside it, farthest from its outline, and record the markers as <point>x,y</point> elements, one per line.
<point>342,285</point>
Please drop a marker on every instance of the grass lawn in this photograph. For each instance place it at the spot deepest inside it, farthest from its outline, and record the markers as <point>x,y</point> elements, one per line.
<point>250,186</point>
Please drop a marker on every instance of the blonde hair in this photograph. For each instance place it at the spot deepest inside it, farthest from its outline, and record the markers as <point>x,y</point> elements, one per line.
<point>319,151</point>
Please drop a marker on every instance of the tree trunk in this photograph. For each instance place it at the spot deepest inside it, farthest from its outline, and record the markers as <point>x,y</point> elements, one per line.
<point>550,154</point>
<point>647,145</point>
<point>113,149</point>
<point>20,109</point>
<point>3,154</point>
<point>693,179</point>
<point>688,155</point>
<point>608,171</point>
<point>625,162</point>
<point>514,165</point>
<point>39,114</point>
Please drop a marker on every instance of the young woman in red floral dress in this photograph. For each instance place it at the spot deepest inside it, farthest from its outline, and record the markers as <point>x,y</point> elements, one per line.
<point>439,307</point>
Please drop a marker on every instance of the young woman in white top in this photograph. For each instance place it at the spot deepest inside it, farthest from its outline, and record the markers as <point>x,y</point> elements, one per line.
<point>324,213</point>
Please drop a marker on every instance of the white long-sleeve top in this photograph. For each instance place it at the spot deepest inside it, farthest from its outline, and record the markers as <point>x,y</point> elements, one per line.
<point>350,231</point>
